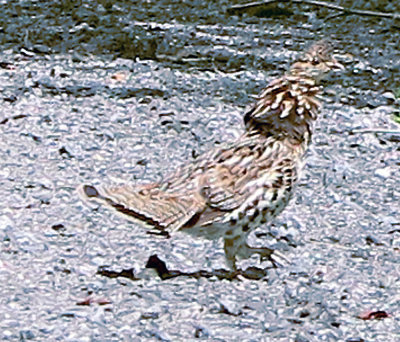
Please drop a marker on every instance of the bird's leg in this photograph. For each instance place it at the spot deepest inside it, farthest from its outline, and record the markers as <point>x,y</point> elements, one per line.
<point>232,245</point>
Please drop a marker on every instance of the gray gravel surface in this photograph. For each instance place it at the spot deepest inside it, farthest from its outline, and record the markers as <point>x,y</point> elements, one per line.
<point>79,108</point>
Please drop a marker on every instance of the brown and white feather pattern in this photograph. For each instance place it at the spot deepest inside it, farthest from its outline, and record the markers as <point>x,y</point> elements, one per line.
<point>230,190</point>
<point>286,108</point>
<point>248,177</point>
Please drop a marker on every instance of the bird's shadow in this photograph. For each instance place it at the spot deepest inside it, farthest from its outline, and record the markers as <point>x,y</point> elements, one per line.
<point>154,262</point>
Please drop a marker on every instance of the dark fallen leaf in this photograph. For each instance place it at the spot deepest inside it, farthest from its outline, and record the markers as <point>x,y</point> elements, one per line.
<point>65,153</point>
<point>7,65</point>
<point>370,315</point>
<point>128,273</point>
<point>11,98</point>
<point>224,310</point>
<point>91,300</point>
<point>161,268</point>
<point>142,162</point>
<point>19,116</point>
<point>58,227</point>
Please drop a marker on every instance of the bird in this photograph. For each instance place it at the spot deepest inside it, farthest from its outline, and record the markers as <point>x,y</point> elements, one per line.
<point>240,185</point>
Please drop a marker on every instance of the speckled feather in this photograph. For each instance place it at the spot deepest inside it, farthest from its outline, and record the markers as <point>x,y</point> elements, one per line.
<point>230,190</point>
<point>212,188</point>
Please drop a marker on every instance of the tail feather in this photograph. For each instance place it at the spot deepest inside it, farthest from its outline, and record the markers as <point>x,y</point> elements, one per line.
<point>147,206</point>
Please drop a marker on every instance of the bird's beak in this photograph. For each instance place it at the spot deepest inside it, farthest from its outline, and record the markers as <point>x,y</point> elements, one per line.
<point>335,65</point>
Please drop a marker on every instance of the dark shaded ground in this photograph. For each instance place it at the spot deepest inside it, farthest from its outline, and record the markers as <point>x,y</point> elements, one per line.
<point>102,93</point>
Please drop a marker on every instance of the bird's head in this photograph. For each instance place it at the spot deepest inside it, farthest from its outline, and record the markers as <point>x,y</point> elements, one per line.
<point>316,61</point>
<point>288,105</point>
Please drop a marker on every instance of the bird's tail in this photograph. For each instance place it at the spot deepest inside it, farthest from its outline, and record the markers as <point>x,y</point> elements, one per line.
<point>146,205</point>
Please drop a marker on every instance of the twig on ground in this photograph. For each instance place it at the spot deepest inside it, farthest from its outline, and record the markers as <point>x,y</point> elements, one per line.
<point>244,7</point>
<point>374,130</point>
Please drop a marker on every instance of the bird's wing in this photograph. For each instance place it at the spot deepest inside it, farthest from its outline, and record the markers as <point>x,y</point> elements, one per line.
<point>240,174</point>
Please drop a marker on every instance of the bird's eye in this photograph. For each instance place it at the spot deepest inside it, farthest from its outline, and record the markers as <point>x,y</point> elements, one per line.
<point>315,61</point>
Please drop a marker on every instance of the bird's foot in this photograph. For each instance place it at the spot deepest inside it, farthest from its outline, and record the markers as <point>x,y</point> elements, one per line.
<point>276,258</point>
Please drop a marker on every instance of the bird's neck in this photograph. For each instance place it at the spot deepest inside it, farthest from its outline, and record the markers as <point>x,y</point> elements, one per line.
<point>299,135</point>
<point>285,110</point>
<point>297,132</point>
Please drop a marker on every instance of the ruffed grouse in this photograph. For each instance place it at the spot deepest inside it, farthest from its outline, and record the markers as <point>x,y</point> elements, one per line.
<point>237,187</point>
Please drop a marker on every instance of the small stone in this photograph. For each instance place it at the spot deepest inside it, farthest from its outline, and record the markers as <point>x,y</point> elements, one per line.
<point>389,95</point>
<point>383,172</point>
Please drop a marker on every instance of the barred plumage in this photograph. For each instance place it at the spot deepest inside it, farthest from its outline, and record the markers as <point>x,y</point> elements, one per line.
<point>229,191</point>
